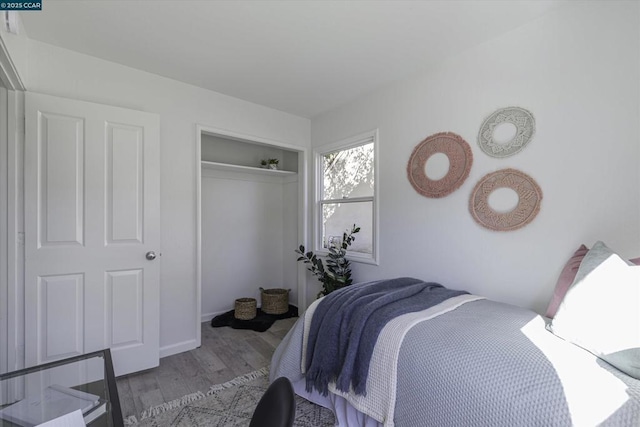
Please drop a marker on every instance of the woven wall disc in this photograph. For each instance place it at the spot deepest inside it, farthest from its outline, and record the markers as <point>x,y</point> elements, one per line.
<point>460,160</point>
<point>529,195</point>
<point>525,127</point>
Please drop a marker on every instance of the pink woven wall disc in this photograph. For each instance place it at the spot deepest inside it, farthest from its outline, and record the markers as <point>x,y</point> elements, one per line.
<point>460,158</point>
<point>529,199</point>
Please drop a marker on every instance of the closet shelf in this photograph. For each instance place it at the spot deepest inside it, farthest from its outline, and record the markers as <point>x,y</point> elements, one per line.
<point>245,169</point>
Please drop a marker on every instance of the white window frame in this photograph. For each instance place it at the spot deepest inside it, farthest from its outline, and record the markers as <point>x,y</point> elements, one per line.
<point>354,141</point>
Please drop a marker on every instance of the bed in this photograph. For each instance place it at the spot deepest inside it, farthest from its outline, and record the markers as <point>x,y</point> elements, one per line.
<point>469,361</point>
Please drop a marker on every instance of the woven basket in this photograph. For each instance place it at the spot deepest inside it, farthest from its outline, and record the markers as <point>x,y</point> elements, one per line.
<point>275,301</point>
<point>245,309</point>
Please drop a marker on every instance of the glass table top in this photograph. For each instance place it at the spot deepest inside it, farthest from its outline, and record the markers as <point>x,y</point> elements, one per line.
<point>38,394</point>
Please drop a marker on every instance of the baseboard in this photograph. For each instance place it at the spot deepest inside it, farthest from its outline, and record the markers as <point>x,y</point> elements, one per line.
<point>180,347</point>
<point>205,318</point>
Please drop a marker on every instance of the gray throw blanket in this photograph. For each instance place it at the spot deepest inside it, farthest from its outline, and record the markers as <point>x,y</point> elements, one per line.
<point>347,322</point>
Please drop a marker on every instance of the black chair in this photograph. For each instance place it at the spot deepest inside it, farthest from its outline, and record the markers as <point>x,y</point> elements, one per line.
<point>277,406</point>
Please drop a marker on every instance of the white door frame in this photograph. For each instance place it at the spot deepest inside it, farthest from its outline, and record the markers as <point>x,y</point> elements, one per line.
<point>8,72</point>
<point>4,239</point>
<point>11,147</point>
<point>302,208</point>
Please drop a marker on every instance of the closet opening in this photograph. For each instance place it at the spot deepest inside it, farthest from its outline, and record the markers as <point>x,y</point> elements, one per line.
<point>251,215</point>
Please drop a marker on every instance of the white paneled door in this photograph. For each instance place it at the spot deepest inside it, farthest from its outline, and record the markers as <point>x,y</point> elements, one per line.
<point>91,232</point>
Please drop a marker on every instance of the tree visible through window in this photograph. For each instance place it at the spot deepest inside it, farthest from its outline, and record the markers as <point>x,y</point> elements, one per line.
<point>347,195</point>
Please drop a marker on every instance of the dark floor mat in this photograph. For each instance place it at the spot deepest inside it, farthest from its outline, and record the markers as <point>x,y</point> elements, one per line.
<point>260,323</point>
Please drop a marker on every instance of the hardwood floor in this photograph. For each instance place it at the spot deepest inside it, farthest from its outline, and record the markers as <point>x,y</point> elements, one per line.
<point>225,354</point>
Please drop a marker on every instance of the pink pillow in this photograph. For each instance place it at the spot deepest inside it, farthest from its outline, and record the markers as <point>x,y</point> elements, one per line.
<point>566,279</point>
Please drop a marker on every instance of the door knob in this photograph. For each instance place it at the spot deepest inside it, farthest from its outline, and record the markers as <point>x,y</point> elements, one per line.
<point>151,255</point>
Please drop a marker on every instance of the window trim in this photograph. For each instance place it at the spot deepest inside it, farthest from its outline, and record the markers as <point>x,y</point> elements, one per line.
<point>351,142</point>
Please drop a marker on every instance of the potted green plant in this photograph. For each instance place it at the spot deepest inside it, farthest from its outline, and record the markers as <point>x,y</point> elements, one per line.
<point>273,163</point>
<point>263,163</point>
<point>337,273</point>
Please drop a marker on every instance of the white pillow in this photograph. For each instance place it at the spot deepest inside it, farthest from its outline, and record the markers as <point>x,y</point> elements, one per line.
<point>601,310</point>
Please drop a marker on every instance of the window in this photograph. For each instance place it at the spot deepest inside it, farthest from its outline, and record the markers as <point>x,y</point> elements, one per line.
<point>346,195</point>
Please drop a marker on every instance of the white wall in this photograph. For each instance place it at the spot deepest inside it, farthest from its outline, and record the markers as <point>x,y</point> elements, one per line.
<point>576,69</point>
<point>249,230</point>
<point>64,73</point>
<point>290,237</point>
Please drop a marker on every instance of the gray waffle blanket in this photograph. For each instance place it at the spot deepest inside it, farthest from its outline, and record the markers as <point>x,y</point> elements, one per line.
<point>347,322</point>
<point>489,364</point>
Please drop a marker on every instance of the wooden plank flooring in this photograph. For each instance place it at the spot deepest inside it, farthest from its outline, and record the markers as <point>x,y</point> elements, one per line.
<point>225,354</point>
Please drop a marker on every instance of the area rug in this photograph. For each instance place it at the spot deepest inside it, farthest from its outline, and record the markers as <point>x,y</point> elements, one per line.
<point>260,323</point>
<point>228,404</point>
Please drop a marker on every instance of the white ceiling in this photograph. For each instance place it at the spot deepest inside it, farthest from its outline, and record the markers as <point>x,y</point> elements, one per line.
<point>303,57</point>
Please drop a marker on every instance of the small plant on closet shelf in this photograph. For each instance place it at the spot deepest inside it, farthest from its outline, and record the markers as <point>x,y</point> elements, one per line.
<point>273,163</point>
<point>269,163</point>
